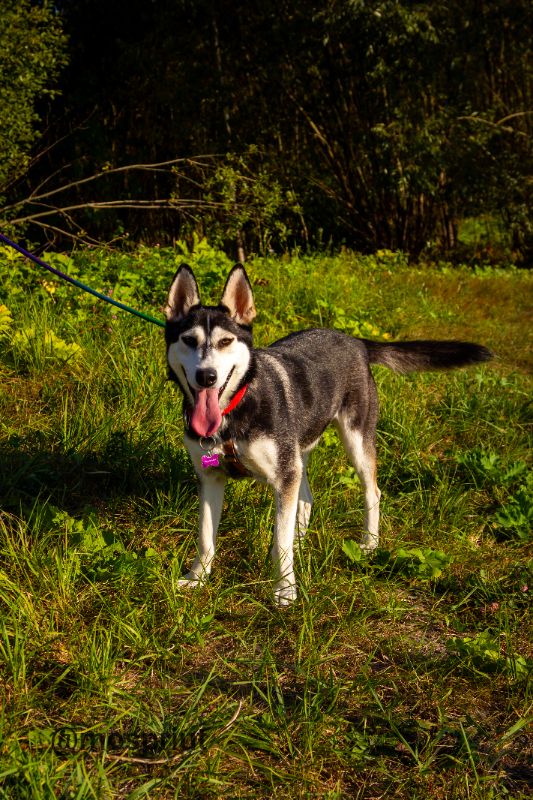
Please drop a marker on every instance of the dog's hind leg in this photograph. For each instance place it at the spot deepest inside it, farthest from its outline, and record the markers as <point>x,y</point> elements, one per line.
<point>305,502</point>
<point>211,501</point>
<point>361,451</point>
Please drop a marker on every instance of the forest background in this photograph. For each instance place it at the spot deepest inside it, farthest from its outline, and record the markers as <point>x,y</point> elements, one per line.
<point>270,126</point>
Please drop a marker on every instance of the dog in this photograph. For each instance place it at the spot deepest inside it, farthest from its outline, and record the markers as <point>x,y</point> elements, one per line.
<point>259,412</point>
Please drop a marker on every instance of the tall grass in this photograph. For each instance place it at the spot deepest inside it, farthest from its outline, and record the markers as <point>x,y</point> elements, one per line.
<point>401,676</point>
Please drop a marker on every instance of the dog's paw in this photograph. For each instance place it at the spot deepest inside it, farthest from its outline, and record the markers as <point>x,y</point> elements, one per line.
<point>285,595</point>
<point>190,581</point>
<point>369,542</point>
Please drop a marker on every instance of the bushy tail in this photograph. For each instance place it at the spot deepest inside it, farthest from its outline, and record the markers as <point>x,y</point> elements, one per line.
<point>425,355</point>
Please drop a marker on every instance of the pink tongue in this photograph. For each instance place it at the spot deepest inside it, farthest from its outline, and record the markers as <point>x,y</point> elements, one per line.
<point>206,416</point>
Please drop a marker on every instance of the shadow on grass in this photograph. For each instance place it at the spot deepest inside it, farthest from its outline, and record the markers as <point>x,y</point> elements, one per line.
<point>74,480</point>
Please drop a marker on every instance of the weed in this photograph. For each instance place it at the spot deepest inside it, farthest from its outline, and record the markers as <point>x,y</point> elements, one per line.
<point>484,652</point>
<point>515,517</point>
<point>488,467</point>
<point>416,562</point>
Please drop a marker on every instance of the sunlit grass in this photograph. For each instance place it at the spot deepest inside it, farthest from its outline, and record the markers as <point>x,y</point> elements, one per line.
<point>381,680</point>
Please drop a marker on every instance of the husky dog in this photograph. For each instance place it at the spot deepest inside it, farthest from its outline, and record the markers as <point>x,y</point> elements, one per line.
<point>260,412</point>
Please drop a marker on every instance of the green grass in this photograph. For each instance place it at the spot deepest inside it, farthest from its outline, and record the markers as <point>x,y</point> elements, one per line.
<point>406,675</point>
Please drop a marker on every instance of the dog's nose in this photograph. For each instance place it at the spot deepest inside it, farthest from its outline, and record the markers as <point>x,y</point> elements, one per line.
<point>206,377</point>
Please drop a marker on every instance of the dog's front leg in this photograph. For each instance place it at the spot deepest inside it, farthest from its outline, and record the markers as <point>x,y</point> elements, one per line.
<point>211,501</point>
<point>283,544</point>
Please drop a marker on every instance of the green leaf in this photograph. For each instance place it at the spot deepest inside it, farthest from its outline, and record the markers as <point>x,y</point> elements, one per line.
<point>352,550</point>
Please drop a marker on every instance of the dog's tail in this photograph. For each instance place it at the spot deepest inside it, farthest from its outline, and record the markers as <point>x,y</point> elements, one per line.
<point>425,355</point>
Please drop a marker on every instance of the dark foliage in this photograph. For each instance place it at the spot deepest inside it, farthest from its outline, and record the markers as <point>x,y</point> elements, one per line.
<point>375,125</point>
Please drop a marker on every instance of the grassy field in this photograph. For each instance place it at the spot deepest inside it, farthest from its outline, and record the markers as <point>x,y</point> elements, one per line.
<point>401,676</point>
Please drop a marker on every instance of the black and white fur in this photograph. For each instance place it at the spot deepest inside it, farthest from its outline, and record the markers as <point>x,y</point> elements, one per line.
<point>296,388</point>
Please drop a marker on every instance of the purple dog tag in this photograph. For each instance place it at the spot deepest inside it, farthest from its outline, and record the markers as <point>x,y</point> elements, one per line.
<point>210,461</point>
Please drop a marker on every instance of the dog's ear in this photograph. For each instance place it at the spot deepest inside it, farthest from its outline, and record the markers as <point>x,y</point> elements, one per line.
<point>183,294</point>
<point>238,297</point>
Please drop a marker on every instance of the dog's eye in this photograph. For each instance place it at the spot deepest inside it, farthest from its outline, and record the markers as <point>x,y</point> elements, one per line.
<point>225,342</point>
<point>190,341</point>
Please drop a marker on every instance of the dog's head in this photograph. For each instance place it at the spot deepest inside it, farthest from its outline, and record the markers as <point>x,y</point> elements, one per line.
<point>209,348</point>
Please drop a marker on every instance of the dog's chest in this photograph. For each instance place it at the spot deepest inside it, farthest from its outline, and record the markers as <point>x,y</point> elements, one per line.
<point>238,458</point>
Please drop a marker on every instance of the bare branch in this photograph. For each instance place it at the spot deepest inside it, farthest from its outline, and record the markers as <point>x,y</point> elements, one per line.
<point>498,124</point>
<point>513,116</point>
<point>82,239</point>
<point>167,203</point>
<point>103,174</point>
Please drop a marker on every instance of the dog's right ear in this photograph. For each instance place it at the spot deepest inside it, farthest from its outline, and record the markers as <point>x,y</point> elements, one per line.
<point>183,294</point>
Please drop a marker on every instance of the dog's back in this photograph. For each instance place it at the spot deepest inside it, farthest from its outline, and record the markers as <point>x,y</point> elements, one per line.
<point>306,378</point>
<point>312,377</point>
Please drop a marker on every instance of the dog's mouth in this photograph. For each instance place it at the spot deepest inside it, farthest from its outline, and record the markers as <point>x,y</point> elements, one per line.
<point>206,416</point>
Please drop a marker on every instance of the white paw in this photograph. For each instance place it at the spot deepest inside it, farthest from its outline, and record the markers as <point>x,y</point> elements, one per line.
<point>190,580</point>
<point>285,595</point>
<point>369,542</point>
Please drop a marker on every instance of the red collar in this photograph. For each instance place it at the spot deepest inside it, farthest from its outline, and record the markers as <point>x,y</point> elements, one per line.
<point>235,400</point>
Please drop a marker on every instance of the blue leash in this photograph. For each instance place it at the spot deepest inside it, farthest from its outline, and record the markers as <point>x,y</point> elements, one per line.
<point>79,284</point>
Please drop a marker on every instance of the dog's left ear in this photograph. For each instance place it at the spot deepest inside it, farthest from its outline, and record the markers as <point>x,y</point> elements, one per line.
<point>238,297</point>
